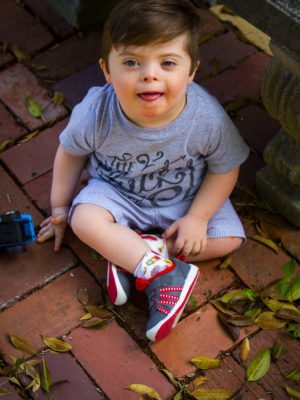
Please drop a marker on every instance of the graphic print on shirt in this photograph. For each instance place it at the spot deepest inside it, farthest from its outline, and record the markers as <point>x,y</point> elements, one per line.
<point>151,177</point>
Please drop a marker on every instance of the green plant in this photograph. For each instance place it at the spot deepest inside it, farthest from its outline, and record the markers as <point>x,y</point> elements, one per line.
<point>289,287</point>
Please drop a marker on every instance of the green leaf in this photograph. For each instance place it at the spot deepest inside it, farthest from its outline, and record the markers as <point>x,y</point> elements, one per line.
<point>4,392</point>
<point>213,394</point>
<point>289,267</point>
<point>45,376</point>
<point>293,376</point>
<point>293,393</point>
<point>178,395</point>
<point>293,293</point>
<point>204,362</point>
<point>259,366</point>
<point>33,107</point>
<point>277,351</point>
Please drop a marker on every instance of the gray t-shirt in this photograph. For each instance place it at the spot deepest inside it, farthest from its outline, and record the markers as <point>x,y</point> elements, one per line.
<point>159,166</point>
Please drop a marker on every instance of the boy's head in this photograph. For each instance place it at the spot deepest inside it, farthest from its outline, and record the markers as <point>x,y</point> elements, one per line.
<point>142,22</point>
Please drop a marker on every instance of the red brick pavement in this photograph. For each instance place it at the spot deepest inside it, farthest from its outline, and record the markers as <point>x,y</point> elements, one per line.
<point>38,294</point>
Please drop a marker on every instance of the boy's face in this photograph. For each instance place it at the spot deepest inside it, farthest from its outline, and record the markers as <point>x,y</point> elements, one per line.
<point>150,81</point>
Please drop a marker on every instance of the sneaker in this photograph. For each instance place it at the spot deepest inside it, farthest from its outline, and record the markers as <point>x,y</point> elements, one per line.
<point>167,296</point>
<point>118,279</point>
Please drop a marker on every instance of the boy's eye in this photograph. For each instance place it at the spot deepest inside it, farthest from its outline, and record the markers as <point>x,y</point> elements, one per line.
<point>131,63</point>
<point>168,63</point>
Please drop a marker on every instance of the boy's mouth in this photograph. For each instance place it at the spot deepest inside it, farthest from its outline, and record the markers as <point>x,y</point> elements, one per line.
<point>150,96</point>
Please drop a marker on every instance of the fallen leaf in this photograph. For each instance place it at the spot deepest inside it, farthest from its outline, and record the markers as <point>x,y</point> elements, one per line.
<point>241,320</point>
<point>211,394</point>
<point>293,393</point>
<point>277,351</point>
<point>259,366</point>
<point>36,66</point>
<point>98,311</point>
<point>20,53</point>
<point>144,389</point>
<point>22,344</point>
<point>33,108</point>
<point>86,316</point>
<point>204,362</point>
<point>267,242</point>
<point>293,375</point>
<point>220,306</point>
<point>276,305</point>
<point>170,376</point>
<point>267,320</point>
<point>82,295</point>
<point>244,349</point>
<point>233,330</point>
<point>58,98</point>
<point>4,144</point>
<point>227,262</point>
<point>200,380</point>
<point>56,344</point>
<point>45,376</point>
<point>28,137</point>
<point>98,324</point>
<point>288,314</point>
<point>204,38</point>
<point>4,392</point>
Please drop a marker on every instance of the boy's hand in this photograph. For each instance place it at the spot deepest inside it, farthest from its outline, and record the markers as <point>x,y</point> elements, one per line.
<point>191,236</point>
<point>54,225</point>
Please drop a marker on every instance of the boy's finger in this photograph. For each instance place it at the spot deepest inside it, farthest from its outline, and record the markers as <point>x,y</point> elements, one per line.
<point>45,222</point>
<point>169,231</point>
<point>42,237</point>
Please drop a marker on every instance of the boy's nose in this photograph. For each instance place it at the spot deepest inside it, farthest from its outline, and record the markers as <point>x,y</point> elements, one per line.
<point>149,74</point>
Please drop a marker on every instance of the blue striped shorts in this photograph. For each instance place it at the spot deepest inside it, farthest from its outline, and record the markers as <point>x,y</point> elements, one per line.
<point>224,223</point>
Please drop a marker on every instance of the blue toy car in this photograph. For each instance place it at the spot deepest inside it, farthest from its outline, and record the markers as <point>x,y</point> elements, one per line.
<point>15,231</point>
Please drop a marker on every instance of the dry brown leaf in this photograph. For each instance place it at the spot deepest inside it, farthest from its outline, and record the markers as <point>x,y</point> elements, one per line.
<point>56,344</point>
<point>82,295</point>
<point>22,344</point>
<point>244,349</point>
<point>98,311</point>
<point>267,320</point>
<point>200,380</point>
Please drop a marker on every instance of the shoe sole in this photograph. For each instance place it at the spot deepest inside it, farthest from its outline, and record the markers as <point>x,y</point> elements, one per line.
<point>115,290</point>
<point>164,327</point>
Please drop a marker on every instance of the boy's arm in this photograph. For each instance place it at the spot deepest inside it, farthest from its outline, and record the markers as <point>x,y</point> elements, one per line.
<point>192,228</point>
<point>66,173</point>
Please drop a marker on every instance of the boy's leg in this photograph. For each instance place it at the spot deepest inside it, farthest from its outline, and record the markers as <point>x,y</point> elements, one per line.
<point>96,227</point>
<point>215,248</point>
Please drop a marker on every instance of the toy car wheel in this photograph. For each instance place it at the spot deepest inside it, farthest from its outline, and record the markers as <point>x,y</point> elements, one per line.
<point>15,249</point>
<point>10,216</point>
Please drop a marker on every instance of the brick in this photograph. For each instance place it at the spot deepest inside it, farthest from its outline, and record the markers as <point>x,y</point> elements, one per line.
<point>51,311</point>
<point>50,17</point>
<point>39,190</point>
<point>75,86</point>
<point>12,198</point>
<point>73,55</point>
<point>116,362</point>
<point>245,79</point>
<point>256,264</point>
<point>225,50</point>
<point>9,129</point>
<point>273,382</point>
<point>200,334</point>
<point>18,84</point>
<point>209,24</point>
<point>210,282</point>
<point>75,384</point>
<point>4,384</point>
<point>21,273</point>
<point>18,27</point>
<point>256,126</point>
<point>34,158</point>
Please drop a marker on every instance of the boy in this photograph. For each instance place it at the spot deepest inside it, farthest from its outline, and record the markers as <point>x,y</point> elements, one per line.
<point>162,154</point>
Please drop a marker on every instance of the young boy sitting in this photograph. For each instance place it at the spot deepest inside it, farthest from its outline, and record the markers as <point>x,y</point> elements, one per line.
<point>161,154</point>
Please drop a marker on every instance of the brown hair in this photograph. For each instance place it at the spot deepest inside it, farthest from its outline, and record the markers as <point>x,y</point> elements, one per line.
<point>140,22</point>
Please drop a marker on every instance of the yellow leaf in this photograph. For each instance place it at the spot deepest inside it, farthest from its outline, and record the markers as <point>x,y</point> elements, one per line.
<point>20,53</point>
<point>58,98</point>
<point>4,144</point>
<point>244,349</point>
<point>204,362</point>
<point>227,262</point>
<point>45,376</point>
<point>4,392</point>
<point>267,320</point>
<point>294,394</point>
<point>267,242</point>
<point>199,381</point>
<point>28,137</point>
<point>144,389</point>
<point>98,324</point>
<point>214,394</point>
<point>22,344</point>
<point>56,344</point>
<point>86,316</point>
<point>170,376</point>
<point>98,312</point>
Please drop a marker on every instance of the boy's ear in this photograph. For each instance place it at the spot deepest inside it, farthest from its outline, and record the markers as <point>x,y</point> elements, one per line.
<point>191,77</point>
<point>105,70</point>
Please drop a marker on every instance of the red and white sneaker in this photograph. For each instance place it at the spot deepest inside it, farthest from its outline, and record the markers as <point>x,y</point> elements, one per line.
<point>118,279</point>
<point>168,294</point>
